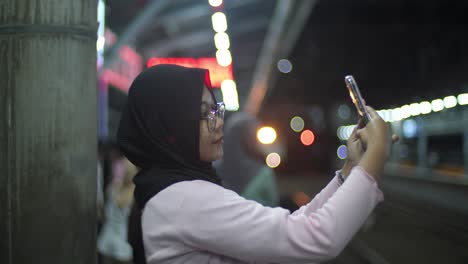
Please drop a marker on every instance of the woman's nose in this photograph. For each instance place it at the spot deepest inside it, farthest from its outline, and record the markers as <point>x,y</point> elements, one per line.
<point>219,123</point>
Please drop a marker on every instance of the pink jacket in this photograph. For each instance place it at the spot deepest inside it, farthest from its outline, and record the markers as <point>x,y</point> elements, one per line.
<point>200,222</point>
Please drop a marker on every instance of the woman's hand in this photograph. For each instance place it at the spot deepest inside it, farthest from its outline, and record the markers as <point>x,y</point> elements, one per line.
<point>376,140</point>
<point>355,151</point>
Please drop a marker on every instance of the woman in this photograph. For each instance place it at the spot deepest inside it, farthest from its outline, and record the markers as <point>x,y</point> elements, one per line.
<point>172,128</point>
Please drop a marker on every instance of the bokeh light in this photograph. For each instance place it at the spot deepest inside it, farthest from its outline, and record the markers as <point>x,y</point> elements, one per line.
<point>273,160</point>
<point>342,152</point>
<point>307,137</point>
<point>297,124</point>
<point>266,135</point>
<point>344,112</point>
<point>215,3</point>
<point>414,109</point>
<point>230,97</point>
<point>300,199</point>
<point>410,128</point>
<point>396,114</point>
<point>437,105</point>
<point>221,40</point>
<point>405,111</point>
<point>224,57</point>
<point>450,101</point>
<point>425,107</point>
<point>284,66</point>
<point>462,99</point>
<point>219,22</point>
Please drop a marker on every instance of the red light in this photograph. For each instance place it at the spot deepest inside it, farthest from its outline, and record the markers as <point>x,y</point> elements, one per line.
<point>218,73</point>
<point>130,56</point>
<point>110,37</point>
<point>307,137</point>
<point>124,70</point>
<point>118,80</point>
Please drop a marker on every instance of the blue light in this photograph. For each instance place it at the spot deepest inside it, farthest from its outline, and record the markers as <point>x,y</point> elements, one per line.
<point>410,128</point>
<point>342,152</point>
<point>344,112</point>
<point>284,66</point>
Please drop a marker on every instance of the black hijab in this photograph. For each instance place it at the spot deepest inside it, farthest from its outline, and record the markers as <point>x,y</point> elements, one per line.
<point>160,128</point>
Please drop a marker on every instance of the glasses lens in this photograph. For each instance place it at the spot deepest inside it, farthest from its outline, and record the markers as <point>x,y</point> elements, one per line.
<point>211,121</point>
<point>220,111</point>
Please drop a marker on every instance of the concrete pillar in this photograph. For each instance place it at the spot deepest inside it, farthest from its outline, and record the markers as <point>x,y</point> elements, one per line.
<point>48,131</point>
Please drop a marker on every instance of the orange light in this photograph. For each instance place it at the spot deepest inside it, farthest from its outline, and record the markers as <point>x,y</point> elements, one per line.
<point>300,199</point>
<point>307,137</point>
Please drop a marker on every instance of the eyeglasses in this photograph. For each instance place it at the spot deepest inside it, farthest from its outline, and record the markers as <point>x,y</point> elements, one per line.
<point>212,115</point>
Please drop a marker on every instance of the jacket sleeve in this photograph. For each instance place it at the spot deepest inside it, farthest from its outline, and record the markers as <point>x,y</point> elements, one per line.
<point>219,221</point>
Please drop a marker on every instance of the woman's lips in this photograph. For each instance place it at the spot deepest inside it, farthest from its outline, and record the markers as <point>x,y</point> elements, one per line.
<point>220,140</point>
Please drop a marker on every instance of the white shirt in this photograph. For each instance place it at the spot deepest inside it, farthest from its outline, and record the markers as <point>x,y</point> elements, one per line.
<point>112,241</point>
<point>200,222</point>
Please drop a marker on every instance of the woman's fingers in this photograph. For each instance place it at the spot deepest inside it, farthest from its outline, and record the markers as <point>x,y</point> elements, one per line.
<point>362,135</point>
<point>372,112</point>
<point>353,135</point>
<point>360,123</point>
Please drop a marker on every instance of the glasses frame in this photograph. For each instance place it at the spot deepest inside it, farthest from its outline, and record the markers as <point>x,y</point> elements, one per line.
<point>212,116</point>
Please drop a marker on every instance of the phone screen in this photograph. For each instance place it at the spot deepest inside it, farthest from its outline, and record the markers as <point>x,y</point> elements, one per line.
<point>357,99</point>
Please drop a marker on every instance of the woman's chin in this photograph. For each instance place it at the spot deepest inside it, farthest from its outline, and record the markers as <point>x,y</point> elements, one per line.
<point>213,156</point>
<point>219,155</point>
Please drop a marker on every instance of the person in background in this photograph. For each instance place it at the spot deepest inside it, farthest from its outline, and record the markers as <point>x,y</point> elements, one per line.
<point>242,168</point>
<point>100,188</point>
<point>112,241</point>
<point>172,129</point>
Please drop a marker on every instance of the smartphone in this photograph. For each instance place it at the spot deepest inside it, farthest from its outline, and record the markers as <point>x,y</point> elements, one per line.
<point>357,99</point>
